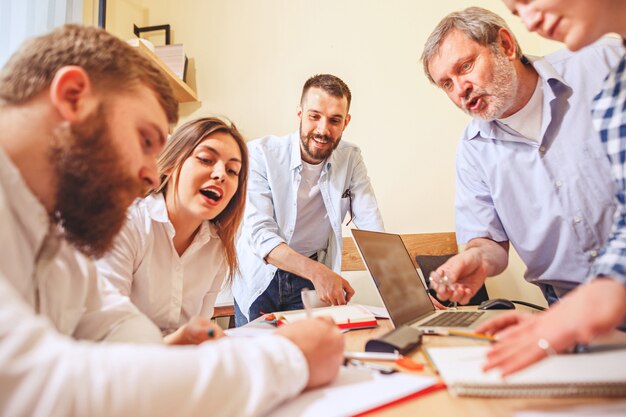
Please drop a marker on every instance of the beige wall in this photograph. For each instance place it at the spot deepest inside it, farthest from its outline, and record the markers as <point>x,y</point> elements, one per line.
<point>249,59</point>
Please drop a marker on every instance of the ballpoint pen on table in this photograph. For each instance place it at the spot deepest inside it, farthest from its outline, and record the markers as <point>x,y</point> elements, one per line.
<point>383,369</point>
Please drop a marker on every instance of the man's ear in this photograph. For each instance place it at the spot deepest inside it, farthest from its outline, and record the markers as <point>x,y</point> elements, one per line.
<point>71,93</point>
<point>299,112</point>
<point>507,42</point>
<point>348,118</point>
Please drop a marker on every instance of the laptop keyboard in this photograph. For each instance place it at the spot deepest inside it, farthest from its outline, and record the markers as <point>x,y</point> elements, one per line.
<point>454,319</point>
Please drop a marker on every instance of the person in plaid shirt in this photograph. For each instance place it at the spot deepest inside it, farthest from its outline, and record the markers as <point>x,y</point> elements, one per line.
<point>599,306</point>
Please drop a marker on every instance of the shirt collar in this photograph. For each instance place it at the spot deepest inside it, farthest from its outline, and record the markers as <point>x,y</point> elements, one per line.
<point>296,158</point>
<point>157,210</point>
<point>552,81</point>
<point>24,204</point>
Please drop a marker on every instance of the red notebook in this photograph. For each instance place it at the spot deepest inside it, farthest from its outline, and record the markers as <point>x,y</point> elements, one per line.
<point>353,316</point>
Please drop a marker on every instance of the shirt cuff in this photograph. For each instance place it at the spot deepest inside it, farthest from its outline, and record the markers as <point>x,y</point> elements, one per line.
<point>267,246</point>
<point>294,369</point>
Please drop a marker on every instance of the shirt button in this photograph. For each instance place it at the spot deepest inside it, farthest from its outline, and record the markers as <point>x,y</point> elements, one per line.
<point>558,184</point>
<point>577,219</point>
<point>542,149</point>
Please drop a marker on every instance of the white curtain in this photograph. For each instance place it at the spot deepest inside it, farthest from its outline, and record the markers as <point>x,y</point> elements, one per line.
<point>21,19</point>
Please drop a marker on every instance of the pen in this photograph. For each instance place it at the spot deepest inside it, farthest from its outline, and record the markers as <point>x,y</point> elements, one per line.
<point>383,369</point>
<point>434,276</point>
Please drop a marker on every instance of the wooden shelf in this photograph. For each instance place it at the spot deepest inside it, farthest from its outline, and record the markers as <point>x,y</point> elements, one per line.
<point>182,91</point>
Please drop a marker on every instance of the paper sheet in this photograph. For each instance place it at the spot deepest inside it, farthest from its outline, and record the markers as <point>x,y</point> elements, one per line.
<point>355,390</point>
<point>378,312</point>
<point>251,330</point>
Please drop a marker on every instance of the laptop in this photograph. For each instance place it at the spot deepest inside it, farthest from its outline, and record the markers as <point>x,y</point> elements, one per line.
<point>403,292</point>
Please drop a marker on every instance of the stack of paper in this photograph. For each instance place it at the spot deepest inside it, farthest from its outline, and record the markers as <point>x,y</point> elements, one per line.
<point>174,57</point>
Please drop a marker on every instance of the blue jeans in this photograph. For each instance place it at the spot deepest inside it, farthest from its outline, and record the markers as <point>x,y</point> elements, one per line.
<point>282,294</point>
<point>549,293</point>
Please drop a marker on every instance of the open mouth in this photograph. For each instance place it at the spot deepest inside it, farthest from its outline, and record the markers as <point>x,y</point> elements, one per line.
<point>212,194</point>
<point>473,103</point>
<point>320,140</point>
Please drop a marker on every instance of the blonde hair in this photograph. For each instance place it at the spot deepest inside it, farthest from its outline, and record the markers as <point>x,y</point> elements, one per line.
<point>180,147</point>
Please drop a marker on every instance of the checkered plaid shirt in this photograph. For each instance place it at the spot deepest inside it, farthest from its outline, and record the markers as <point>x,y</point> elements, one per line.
<point>609,117</point>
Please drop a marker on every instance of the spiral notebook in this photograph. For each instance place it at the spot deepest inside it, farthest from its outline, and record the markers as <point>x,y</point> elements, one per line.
<point>598,374</point>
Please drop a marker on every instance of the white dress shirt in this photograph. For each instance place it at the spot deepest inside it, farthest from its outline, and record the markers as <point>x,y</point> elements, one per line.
<point>144,265</point>
<point>52,305</point>
<point>272,207</point>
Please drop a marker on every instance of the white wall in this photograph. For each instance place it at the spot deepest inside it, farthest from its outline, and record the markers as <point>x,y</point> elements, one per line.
<point>21,19</point>
<point>251,58</point>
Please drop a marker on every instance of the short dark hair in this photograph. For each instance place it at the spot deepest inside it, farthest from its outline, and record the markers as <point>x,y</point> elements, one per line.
<point>330,84</point>
<point>112,65</point>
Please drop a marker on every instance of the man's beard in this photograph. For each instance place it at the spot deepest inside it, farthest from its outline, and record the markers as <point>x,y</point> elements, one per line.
<point>313,152</point>
<point>500,96</point>
<point>94,188</point>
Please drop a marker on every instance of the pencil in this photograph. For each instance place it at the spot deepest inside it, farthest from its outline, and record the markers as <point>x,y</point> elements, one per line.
<point>461,333</point>
<point>429,361</point>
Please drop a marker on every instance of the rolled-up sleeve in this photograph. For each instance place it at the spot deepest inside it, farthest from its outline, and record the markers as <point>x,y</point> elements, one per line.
<point>475,213</point>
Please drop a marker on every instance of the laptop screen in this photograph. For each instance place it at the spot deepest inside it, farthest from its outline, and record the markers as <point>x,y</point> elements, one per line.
<point>394,274</point>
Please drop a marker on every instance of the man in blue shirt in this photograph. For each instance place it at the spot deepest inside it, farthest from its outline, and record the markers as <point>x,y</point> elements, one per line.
<point>530,170</point>
<point>599,306</point>
<point>299,190</point>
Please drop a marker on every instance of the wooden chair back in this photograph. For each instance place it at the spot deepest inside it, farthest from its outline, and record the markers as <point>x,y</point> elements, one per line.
<point>417,244</point>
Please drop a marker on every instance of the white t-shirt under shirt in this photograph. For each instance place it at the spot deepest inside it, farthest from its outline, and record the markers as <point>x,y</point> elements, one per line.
<point>527,121</point>
<point>312,224</point>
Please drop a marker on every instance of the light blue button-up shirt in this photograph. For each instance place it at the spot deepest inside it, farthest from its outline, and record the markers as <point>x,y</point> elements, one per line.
<point>271,207</point>
<point>553,200</point>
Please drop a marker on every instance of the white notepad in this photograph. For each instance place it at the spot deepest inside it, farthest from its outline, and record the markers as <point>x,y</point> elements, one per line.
<point>590,374</point>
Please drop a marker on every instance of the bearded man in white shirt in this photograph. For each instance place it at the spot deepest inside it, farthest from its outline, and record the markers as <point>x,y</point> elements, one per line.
<point>82,118</point>
<point>300,188</point>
